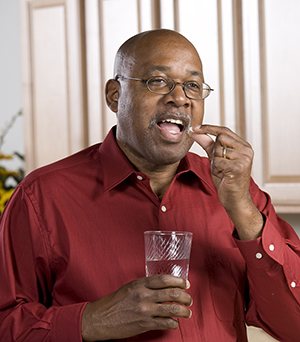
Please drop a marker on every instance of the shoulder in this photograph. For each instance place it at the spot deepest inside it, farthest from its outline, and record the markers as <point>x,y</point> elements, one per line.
<point>73,164</point>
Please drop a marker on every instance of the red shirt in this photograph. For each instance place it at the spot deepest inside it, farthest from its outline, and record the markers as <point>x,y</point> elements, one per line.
<point>73,232</point>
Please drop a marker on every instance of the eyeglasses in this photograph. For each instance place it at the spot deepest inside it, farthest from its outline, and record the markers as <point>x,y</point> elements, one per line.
<point>164,85</point>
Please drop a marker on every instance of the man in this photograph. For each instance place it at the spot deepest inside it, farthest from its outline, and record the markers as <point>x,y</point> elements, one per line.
<point>72,254</point>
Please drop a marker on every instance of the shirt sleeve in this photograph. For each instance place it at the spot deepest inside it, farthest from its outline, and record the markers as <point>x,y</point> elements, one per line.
<point>273,271</point>
<point>26,311</point>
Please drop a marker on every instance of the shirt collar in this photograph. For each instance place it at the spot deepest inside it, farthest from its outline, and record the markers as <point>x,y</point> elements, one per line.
<point>116,166</point>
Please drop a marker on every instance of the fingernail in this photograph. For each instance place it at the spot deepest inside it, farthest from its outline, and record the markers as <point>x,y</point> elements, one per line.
<point>191,130</point>
<point>188,284</point>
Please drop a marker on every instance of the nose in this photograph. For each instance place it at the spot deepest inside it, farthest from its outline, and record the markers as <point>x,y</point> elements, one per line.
<point>177,96</point>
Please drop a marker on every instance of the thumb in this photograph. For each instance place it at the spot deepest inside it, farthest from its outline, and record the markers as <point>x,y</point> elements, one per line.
<point>206,142</point>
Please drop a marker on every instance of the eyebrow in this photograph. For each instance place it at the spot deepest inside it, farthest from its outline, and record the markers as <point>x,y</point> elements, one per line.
<point>166,68</point>
<point>159,68</point>
<point>196,73</point>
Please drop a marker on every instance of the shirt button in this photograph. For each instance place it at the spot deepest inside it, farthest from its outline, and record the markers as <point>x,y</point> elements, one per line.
<point>163,209</point>
<point>293,284</point>
<point>139,177</point>
<point>271,247</point>
<point>258,255</point>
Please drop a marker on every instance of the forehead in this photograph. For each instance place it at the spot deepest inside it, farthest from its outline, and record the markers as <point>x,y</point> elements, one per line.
<point>168,54</point>
<point>167,69</point>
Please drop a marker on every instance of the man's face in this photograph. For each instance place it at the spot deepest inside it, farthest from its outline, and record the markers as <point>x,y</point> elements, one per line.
<point>146,128</point>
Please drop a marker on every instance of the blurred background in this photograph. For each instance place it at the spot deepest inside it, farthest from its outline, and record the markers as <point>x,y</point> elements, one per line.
<point>56,56</point>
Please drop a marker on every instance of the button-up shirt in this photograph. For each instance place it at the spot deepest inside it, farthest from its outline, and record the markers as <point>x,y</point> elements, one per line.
<point>73,233</point>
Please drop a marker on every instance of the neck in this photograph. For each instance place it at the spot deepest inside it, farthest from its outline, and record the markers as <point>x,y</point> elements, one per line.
<point>160,176</point>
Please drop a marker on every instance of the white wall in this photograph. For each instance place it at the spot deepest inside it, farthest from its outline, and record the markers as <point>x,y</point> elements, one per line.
<point>10,79</point>
<point>293,220</point>
<point>10,85</point>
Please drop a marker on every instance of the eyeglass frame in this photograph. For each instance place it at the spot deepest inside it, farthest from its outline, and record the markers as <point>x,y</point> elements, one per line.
<point>172,88</point>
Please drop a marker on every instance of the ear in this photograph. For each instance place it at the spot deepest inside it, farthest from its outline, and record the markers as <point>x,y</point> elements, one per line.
<point>112,94</point>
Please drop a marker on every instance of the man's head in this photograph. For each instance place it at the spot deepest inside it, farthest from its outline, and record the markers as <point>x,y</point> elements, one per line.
<point>145,132</point>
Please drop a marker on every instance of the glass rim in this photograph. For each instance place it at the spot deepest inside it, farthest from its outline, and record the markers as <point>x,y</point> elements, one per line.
<point>167,232</point>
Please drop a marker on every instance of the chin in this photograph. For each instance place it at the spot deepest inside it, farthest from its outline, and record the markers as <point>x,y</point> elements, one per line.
<point>169,158</point>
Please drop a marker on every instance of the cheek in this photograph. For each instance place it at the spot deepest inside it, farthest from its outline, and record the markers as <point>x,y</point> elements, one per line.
<point>140,109</point>
<point>198,113</point>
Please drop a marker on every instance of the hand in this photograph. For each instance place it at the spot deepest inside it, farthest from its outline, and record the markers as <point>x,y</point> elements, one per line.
<point>231,175</point>
<point>231,171</point>
<point>139,306</point>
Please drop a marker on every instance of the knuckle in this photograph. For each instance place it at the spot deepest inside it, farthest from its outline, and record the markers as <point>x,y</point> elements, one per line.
<point>226,129</point>
<point>171,323</point>
<point>251,155</point>
<point>164,278</point>
<point>239,167</point>
<point>175,309</point>
<point>165,323</point>
<point>146,324</point>
<point>161,310</point>
<point>141,310</point>
<point>168,310</point>
<point>175,293</point>
<point>141,295</point>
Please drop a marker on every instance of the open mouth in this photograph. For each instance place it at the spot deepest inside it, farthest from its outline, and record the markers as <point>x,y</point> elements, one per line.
<point>173,126</point>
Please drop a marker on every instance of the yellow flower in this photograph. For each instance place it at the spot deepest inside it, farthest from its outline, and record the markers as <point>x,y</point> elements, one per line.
<point>8,173</point>
<point>5,156</point>
<point>4,197</point>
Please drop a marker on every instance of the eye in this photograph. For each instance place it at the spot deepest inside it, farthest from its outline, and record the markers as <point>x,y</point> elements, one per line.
<point>194,86</point>
<point>157,82</point>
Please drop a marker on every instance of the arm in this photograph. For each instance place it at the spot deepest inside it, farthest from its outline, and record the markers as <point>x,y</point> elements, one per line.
<point>26,313</point>
<point>270,247</point>
<point>273,274</point>
<point>27,309</point>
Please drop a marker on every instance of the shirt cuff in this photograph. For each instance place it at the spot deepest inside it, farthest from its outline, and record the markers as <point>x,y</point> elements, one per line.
<point>265,251</point>
<point>66,324</point>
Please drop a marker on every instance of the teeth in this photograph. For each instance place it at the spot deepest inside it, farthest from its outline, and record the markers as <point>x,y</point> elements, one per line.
<point>178,122</point>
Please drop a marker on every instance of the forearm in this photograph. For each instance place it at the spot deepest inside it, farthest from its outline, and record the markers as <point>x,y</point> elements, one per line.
<point>273,307</point>
<point>273,273</point>
<point>38,324</point>
<point>248,220</point>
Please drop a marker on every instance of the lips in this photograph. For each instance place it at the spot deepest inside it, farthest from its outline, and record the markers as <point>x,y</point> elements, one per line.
<point>172,125</point>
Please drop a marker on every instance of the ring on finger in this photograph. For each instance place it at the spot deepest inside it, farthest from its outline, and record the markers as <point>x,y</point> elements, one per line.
<point>224,152</point>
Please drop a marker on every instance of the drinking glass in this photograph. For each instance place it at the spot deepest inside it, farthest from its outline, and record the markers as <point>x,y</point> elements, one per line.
<point>167,252</point>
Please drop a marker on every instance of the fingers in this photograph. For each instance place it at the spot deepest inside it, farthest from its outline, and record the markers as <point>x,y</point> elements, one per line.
<point>159,323</point>
<point>225,152</point>
<point>217,131</point>
<point>144,304</point>
<point>224,138</point>
<point>166,288</point>
<point>171,295</point>
<point>173,310</point>
<point>164,310</point>
<point>165,281</point>
<point>231,162</point>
